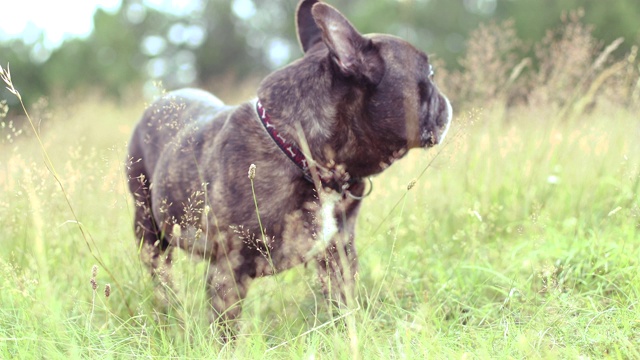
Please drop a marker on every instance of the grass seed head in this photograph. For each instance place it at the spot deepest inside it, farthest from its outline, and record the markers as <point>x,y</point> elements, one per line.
<point>4,109</point>
<point>176,231</point>
<point>5,75</point>
<point>252,171</point>
<point>107,290</point>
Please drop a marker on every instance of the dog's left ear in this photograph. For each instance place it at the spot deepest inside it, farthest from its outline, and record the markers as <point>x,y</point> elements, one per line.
<point>354,54</point>
<point>309,33</point>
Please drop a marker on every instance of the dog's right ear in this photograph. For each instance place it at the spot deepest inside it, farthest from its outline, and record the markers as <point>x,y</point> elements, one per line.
<point>309,33</point>
<point>354,55</point>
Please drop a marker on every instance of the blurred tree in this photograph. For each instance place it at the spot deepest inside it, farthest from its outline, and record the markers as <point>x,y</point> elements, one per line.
<point>610,19</point>
<point>16,54</point>
<point>108,58</point>
<point>202,41</point>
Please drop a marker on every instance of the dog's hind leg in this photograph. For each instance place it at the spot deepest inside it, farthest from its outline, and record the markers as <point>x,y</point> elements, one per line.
<point>153,247</point>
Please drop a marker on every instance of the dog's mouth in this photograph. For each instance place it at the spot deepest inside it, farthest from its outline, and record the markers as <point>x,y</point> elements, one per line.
<point>436,124</point>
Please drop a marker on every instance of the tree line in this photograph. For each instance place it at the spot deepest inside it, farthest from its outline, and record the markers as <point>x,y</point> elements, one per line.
<point>241,39</point>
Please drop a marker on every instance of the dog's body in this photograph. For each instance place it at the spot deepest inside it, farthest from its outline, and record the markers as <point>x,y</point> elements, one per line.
<point>351,105</point>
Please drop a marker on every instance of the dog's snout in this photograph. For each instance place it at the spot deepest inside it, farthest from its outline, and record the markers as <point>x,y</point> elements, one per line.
<point>438,120</point>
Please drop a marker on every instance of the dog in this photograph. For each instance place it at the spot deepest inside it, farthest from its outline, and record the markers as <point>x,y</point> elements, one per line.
<point>257,188</point>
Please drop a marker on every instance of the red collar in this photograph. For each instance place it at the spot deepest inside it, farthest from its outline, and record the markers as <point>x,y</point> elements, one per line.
<point>294,153</point>
<point>287,147</point>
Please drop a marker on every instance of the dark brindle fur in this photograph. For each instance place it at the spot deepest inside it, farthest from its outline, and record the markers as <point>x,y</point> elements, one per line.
<point>357,101</point>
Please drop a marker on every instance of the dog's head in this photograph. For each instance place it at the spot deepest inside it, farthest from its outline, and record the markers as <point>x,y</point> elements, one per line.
<point>397,79</point>
<point>361,100</point>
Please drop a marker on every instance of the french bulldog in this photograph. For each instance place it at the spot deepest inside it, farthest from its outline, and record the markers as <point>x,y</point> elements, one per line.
<point>257,188</point>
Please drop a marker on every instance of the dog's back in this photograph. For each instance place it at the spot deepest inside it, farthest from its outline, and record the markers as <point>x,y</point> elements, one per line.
<point>175,112</point>
<point>169,125</point>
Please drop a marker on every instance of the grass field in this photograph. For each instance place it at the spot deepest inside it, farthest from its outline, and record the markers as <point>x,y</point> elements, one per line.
<point>520,237</point>
<point>520,240</point>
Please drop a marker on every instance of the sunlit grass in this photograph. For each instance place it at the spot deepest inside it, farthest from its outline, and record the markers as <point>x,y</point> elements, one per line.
<point>521,239</point>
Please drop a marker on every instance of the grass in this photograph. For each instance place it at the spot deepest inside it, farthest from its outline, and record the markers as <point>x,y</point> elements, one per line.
<point>520,240</point>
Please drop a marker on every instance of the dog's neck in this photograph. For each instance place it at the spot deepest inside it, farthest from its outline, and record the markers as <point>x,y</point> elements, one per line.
<point>289,148</point>
<point>330,178</point>
<point>329,111</point>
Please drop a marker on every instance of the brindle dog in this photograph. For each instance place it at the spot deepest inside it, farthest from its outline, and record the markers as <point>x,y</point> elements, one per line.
<point>347,109</point>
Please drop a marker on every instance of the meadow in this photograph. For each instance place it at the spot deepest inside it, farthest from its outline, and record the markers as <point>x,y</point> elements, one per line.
<point>517,238</point>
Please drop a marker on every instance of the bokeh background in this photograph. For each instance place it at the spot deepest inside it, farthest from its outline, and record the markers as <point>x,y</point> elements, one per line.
<point>121,48</point>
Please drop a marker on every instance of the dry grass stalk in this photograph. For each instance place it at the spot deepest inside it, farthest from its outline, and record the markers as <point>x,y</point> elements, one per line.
<point>569,73</point>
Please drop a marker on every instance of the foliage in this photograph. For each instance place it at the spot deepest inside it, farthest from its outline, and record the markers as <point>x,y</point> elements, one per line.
<point>213,45</point>
<point>570,72</point>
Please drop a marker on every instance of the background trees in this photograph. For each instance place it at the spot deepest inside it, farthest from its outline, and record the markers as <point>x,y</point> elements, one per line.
<point>208,41</point>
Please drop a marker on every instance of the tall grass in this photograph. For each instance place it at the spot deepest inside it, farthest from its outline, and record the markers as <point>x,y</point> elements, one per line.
<point>521,239</point>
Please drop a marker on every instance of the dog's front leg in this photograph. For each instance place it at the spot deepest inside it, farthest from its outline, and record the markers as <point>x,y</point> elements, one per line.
<point>227,286</point>
<point>338,264</point>
<point>337,268</point>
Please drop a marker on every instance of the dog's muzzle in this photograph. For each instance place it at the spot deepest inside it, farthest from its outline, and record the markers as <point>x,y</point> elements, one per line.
<point>438,121</point>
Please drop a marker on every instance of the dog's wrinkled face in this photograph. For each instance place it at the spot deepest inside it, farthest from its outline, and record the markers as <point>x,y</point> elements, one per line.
<point>398,90</point>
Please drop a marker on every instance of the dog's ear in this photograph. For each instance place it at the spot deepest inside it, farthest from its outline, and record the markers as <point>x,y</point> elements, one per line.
<point>354,54</point>
<point>308,31</point>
